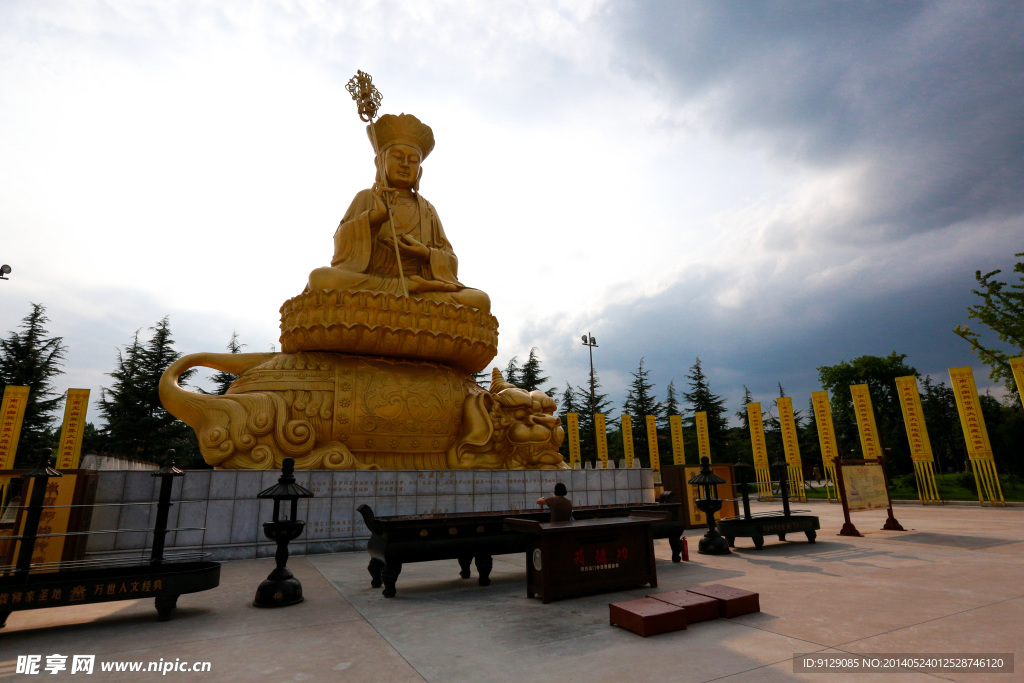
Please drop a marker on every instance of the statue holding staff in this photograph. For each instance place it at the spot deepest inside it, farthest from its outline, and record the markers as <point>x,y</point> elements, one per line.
<point>390,239</point>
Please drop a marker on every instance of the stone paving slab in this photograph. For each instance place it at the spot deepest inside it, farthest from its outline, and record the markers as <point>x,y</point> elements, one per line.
<point>886,592</point>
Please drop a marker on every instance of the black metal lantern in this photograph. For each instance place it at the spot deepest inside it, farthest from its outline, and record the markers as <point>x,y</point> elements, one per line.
<point>281,588</point>
<point>713,543</point>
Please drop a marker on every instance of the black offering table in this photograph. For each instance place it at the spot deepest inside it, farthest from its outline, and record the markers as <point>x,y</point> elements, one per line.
<point>475,537</point>
<point>760,525</point>
<point>564,559</point>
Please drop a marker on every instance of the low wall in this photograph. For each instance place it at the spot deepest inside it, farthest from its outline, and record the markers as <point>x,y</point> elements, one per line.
<point>224,503</point>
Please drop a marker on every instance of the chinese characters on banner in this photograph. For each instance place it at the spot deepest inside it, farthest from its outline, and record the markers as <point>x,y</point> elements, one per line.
<point>913,418</point>
<point>573,421</point>
<point>787,423</point>
<point>757,435</point>
<point>13,412</point>
<point>826,432</point>
<point>791,446</point>
<point>675,424</point>
<point>967,404</point>
<point>652,444</point>
<point>703,439</point>
<point>869,442</point>
<point>757,444</point>
<point>627,439</point>
<point>602,440</point>
<point>70,451</point>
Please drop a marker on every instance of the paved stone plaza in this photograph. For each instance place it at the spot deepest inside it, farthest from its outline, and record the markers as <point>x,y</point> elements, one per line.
<point>951,583</point>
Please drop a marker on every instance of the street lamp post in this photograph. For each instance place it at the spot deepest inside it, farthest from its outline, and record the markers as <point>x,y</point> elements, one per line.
<point>590,343</point>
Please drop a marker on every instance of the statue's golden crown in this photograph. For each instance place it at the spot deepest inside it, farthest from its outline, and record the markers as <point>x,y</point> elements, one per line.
<point>405,129</point>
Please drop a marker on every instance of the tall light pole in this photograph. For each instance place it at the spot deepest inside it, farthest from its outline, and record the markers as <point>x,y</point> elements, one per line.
<point>590,343</point>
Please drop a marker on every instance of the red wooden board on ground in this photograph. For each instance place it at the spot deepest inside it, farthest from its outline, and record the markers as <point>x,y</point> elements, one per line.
<point>647,617</point>
<point>698,607</point>
<point>732,602</point>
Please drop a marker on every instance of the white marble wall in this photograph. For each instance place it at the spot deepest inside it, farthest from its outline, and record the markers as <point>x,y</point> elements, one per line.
<point>224,503</point>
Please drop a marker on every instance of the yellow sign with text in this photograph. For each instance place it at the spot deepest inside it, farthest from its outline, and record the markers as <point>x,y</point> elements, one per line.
<point>70,452</point>
<point>790,442</point>
<point>703,438</point>
<point>865,413</point>
<point>826,431</point>
<point>12,413</point>
<point>627,439</point>
<point>971,418</point>
<point>913,419</point>
<point>757,443</point>
<point>573,424</point>
<point>1017,365</point>
<point>675,425</point>
<point>602,440</point>
<point>652,443</point>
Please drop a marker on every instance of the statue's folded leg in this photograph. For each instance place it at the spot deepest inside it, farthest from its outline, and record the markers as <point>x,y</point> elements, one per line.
<point>330,277</point>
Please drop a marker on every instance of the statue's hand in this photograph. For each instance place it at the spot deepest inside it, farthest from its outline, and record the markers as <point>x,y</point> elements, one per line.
<point>413,246</point>
<point>377,215</point>
<point>419,284</point>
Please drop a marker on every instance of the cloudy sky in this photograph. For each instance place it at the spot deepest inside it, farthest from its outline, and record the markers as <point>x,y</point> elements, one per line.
<point>771,186</point>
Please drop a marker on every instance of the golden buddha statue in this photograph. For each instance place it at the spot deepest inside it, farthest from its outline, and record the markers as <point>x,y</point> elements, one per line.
<point>377,353</point>
<point>393,214</point>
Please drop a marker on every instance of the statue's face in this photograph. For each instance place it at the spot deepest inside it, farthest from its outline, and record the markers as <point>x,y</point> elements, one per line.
<point>402,163</point>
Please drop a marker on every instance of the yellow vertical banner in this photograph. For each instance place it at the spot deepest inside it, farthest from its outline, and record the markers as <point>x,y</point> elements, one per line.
<point>627,439</point>
<point>913,418</point>
<point>757,443</point>
<point>675,425</point>
<point>791,445</point>
<point>70,451</point>
<point>652,444</point>
<point>917,436</point>
<point>975,434</point>
<point>869,443</point>
<point>1017,365</point>
<point>971,419</point>
<point>700,421</point>
<point>573,420</point>
<point>760,450</point>
<point>826,438</point>
<point>826,431</point>
<point>602,440</point>
<point>12,412</point>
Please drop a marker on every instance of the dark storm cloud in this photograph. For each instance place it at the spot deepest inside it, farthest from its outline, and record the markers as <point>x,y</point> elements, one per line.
<point>929,95</point>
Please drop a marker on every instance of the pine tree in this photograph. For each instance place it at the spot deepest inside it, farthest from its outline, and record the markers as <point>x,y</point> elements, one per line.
<point>741,414</point>
<point>138,426</point>
<point>530,377</point>
<point>640,403</point>
<point>31,358</point>
<point>222,380</point>
<point>512,371</point>
<point>700,398</point>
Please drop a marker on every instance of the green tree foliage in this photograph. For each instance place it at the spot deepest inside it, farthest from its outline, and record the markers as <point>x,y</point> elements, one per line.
<point>880,375</point>
<point>640,403</point>
<point>740,436</point>
<point>1001,310</point>
<point>138,426</point>
<point>32,358</point>
<point>701,398</point>
<point>531,377</point>
<point>938,403</point>
<point>670,406</point>
<point>512,371</point>
<point>222,380</point>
